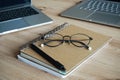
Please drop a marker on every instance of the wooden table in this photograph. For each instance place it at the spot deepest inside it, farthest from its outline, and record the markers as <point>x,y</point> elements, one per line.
<point>105,65</point>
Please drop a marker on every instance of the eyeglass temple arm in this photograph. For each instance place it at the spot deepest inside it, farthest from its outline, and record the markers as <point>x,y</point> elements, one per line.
<point>86,46</point>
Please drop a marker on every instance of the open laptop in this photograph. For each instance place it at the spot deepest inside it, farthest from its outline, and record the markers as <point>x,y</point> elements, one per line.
<point>17,15</point>
<point>99,11</point>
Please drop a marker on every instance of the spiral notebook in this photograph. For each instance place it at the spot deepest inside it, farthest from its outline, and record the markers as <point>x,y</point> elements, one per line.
<point>67,54</point>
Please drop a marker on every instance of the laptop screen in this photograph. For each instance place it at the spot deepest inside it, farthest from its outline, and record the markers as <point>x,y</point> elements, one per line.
<point>7,3</point>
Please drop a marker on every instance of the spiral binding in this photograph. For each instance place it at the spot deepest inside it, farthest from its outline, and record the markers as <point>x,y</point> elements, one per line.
<point>50,33</point>
<point>46,35</point>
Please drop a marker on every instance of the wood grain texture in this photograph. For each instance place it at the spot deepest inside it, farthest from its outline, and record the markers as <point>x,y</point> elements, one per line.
<point>105,65</point>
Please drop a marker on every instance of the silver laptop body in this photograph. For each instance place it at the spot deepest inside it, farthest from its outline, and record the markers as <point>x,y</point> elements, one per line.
<point>10,22</point>
<point>99,11</point>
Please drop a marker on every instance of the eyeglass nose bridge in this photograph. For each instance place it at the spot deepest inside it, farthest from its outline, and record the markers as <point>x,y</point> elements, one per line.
<point>67,39</point>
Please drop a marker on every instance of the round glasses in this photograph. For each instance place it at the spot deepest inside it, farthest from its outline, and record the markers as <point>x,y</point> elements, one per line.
<point>78,40</point>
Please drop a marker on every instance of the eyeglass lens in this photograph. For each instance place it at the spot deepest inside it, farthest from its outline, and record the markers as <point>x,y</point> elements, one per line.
<point>79,40</point>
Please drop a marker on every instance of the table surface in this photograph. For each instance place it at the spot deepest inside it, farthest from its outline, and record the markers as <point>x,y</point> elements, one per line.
<point>105,65</point>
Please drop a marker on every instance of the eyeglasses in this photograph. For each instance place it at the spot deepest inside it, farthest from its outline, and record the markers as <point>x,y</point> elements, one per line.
<point>78,40</point>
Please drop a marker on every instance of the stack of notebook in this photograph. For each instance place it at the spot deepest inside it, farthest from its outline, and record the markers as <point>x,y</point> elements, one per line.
<point>70,56</point>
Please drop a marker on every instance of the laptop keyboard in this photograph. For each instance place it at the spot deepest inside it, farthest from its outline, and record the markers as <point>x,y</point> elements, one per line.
<point>102,6</point>
<point>17,13</point>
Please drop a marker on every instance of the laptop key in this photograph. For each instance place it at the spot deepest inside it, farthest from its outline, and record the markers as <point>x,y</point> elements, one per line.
<point>97,5</point>
<point>17,13</point>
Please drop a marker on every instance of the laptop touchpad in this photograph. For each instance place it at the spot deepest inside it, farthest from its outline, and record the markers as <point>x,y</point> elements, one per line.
<point>12,25</point>
<point>104,18</point>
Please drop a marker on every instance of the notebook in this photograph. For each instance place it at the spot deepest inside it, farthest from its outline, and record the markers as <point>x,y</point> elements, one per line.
<point>99,11</point>
<point>69,55</point>
<point>17,15</point>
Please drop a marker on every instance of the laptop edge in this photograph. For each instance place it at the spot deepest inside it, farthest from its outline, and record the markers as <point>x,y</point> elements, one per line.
<point>22,23</point>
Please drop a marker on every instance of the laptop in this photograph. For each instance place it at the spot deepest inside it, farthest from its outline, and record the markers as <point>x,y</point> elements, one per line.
<point>99,11</point>
<point>17,15</point>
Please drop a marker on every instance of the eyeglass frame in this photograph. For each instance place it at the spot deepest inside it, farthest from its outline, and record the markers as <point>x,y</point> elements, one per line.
<point>68,40</point>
